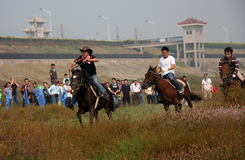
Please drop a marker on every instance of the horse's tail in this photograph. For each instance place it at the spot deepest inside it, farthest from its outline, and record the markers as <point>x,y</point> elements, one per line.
<point>195,97</point>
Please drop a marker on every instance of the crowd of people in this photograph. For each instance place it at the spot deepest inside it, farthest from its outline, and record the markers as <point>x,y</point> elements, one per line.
<point>61,92</point>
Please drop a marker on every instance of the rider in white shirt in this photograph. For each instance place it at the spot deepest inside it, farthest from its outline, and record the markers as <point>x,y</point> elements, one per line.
<point>166,67</point>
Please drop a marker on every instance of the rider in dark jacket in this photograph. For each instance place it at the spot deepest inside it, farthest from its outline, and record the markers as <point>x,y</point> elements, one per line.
<point>86,62</point>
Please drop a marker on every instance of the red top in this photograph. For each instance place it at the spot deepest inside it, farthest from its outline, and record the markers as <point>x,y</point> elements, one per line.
<point>191,21</point>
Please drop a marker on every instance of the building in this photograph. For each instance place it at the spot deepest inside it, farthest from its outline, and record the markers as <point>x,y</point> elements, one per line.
<point>35,28</point>
<point>193,44</point>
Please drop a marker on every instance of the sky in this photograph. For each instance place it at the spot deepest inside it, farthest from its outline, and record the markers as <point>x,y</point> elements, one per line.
<point>80,18</point>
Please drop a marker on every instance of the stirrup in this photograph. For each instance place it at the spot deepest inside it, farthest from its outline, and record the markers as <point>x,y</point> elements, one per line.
<point>105,95</point>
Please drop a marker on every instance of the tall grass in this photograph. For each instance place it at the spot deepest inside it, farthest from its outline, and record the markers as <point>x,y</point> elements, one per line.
<point>143,132</point>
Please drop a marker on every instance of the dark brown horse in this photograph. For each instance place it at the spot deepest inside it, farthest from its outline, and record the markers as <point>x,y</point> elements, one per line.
<point>167,93</point>
<point>87,99</point>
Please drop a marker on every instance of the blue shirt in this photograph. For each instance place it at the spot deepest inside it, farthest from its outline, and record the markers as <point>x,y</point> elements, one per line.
<point>64,82</point>
<point>54,89</point>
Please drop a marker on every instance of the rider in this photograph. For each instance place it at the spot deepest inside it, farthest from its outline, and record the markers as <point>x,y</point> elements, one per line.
<point>166,67</point>
<point>234,63</point>
<point>86,62</point>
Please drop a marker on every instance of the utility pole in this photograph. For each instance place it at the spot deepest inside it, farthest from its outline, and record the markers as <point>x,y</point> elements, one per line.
<point>62,33</point>
<point>136,39</point>
<point>117,34</point>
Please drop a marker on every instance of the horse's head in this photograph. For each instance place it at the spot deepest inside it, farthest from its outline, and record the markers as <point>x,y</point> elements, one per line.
<point>225,72</point>
<point>76,79</point>
<point>150,78</point>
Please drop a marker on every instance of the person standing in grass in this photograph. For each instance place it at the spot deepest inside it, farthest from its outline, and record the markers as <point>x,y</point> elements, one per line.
<point>125,91</point>
<point>136,90</point>
<point>149,96</point>
<point>47,96</point>
<point>24,89</point>
<point>65,78</point>
<point>207,87</point>
<point>14,86</point>
<point>7,93</point>
<point>68,92</point>
<point>54,92</point>
<point>141,93</point>
<point>115,89</point>
<point>53,74</point>
<point>35,91</point>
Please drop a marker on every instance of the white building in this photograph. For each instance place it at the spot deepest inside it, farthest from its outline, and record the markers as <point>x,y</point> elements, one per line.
<point>193,43</point>
<point>35,28</point>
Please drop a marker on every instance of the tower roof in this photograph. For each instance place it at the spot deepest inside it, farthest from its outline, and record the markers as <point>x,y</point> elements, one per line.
<point>37,19</point>
<point>191,21</point>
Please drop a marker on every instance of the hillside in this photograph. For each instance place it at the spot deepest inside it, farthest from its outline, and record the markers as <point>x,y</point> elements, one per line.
<point>40,45</point>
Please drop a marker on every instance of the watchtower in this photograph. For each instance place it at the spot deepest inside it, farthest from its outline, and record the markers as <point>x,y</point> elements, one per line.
<point>35,28</point>
<point>193,43</point>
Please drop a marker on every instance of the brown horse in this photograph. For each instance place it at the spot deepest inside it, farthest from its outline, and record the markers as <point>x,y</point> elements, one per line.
<point>87,99</point>
<point>167,93</point>
<point>226,78</point>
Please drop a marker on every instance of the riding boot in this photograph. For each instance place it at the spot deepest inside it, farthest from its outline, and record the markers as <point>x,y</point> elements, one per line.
<point>182,91</point>
<point>105,95</point>
<point>72,104</point>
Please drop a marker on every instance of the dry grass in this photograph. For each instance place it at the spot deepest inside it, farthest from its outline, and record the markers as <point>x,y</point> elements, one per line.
<point>209,131</point>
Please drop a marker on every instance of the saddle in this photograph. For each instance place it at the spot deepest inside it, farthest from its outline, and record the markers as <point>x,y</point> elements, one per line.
<point>182,83</point>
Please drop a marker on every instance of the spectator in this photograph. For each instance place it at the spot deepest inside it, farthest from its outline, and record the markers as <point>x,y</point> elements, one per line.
<point>24,89</point>
<point>154,94</point>
<point>207,87</point>
<point>125,91</point>
<point>122,82</point>
<point>149,96</point>
<point>14,86</point>
<point>29,90</point>
<point>135,89</point>
<point>47,96</point>
<point>7,93</point>
<point>35,91</point>
<point>53,73</point>
<point>61,87</point>
<point>68,92</point>
<point>184,100</point>
<point>65,78</point>
<point>106,84</point>
<point>114,90</point>
<point>119,97</point>
<point>0,98</point>
<point>54,92</point>
<point>141,93</point>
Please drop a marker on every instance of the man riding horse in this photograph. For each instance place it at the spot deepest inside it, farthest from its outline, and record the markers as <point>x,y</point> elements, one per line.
<point>166,68</point>
<point>86,62</point>
<point>233,63</point>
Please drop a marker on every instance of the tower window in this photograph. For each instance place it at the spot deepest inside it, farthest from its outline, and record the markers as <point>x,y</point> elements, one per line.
<point>188,32</point>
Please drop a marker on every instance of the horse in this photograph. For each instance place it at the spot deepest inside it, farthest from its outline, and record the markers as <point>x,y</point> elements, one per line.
<point>226,78</point>
<point>168,94</point>
<point>86,97</point>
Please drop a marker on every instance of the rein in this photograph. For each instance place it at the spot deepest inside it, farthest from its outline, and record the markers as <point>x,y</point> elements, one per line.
<point>154,79</point>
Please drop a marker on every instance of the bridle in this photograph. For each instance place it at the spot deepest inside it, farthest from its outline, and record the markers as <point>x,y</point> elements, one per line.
<point>74,77</point>
<point>149,83</point>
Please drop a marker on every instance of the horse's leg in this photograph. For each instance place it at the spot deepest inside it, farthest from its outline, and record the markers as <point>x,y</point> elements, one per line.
<point>176,105</point>
<point>166,107</point>
<point>79,115</point>
<point>91,114</point>
<point>96,115</point>
<point>179,105</point>
<point>189,102</point>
